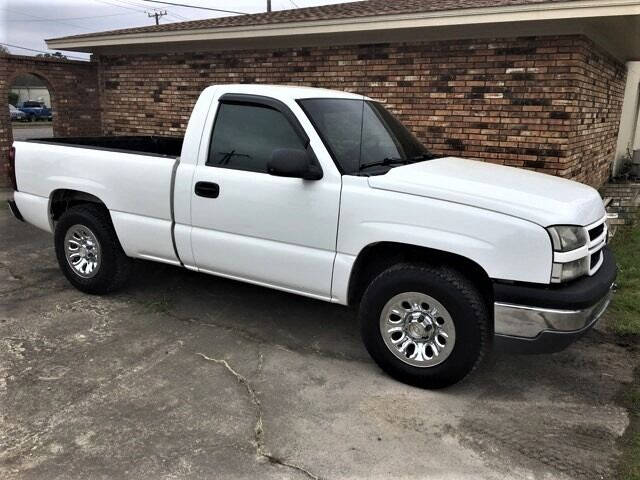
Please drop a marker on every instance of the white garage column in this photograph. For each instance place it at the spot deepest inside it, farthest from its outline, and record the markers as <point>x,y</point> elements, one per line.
<point>629,132</point>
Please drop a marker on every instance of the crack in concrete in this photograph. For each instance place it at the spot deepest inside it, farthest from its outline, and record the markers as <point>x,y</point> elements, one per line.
<point>254,338</point>
<point>259,442</point>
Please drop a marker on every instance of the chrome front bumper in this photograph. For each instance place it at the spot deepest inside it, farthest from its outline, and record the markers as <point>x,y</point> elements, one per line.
<point>529,322</point>
<point>527,329</point>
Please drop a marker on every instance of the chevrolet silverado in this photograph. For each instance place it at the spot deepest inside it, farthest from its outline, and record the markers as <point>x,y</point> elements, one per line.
<point>326,194</point>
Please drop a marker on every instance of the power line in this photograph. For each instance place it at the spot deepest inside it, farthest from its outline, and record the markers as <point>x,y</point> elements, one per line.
<point>179,17</point>
<point>294,4</point>
<point>119,5</point>
<point>171,14</point>
<point>72,18</point>
<point>43,18</point>
<point>156,10</point>
<point>194,6</point>
<point>39,51</point>
<point>128,5</point>
<point>133,4</point>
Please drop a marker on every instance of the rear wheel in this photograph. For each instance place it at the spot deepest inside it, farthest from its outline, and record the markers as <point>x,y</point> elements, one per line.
<point>88,250</point>
<point>427,326</point>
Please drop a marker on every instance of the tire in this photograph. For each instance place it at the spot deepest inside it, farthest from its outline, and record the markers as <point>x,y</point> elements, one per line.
<point>91,225</point>
<point>461,314</point>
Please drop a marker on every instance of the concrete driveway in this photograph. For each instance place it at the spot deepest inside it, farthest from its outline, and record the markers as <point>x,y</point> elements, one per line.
<point>190,376</point>
<point>23,131</point>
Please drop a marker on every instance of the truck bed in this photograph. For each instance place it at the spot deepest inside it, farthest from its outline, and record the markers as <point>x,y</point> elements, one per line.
<point>132,176</point>
<point>150,145</point>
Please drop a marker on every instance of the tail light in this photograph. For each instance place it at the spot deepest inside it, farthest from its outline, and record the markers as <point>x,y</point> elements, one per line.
<point>11,170</point>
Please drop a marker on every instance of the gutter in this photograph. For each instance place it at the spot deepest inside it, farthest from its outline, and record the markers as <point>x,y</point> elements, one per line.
<point>469,16</point>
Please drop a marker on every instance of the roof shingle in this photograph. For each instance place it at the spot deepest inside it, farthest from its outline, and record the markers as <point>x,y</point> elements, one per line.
<point>358,9</point>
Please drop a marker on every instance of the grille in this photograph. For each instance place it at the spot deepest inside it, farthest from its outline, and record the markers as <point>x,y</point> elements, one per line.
<point>595,232</point>
<point>597,241</point>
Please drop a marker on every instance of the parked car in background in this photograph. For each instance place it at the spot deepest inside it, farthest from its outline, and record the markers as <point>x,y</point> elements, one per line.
<point>36,111</point>
<point>326,194</point>
<point>17,115</point>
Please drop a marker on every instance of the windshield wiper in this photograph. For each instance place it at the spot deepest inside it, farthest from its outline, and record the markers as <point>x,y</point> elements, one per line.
<point>386,162</point>
<point>423,156</point>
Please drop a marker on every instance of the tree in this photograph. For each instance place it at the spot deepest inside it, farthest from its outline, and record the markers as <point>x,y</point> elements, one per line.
<point>4,50</point>
<point>13,98</point>
<point>52,55</point>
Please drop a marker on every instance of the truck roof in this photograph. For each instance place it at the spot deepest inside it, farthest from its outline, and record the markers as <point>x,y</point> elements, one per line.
<point>289,92</point>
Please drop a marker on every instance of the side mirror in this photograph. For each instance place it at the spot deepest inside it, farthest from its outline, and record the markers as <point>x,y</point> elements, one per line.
<point>293,162</point>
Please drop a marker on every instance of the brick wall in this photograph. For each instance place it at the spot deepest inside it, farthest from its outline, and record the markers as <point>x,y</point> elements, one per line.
<point>624,202</point>
<point>546,103</point>
<point>73,87</point>
<point>595,113</point>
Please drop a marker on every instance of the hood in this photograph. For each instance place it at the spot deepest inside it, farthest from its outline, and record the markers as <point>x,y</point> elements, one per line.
<point>537,197</point>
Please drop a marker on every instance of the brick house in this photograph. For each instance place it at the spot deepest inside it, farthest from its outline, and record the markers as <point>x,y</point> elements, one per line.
<point>537,84</point>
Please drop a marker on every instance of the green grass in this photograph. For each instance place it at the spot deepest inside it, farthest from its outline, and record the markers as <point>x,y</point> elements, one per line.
<point>625,319</point>
<point>630,462</point>
<point>625,309</point>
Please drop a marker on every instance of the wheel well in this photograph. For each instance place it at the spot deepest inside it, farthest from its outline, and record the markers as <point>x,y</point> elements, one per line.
<point>62,200</point>
<point>376,258</point>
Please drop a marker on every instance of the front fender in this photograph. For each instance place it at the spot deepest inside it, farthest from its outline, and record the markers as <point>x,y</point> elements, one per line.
<point>506,247</point>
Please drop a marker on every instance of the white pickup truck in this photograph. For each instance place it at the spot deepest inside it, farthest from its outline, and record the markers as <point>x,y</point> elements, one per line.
<point>325,194</point>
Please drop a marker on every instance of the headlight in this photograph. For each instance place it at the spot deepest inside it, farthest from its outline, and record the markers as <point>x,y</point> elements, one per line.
<point>567,237</point>
<point>564,272</point>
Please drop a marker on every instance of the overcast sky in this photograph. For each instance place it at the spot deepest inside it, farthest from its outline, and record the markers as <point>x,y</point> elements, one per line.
<point>26,23</point>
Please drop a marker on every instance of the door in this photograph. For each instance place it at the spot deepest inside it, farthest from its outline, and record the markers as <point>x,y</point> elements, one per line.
<point>250,225</point>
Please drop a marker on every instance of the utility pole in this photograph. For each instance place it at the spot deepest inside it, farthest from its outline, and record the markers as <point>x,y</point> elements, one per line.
<point>157,14</point>
<point>268,5</point>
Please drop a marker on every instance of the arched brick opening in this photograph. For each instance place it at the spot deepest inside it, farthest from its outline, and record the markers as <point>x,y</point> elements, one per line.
<point>52,93</point>
<point>74,91</point>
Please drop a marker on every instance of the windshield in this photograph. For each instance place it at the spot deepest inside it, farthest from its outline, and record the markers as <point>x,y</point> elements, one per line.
<point>362,136</point>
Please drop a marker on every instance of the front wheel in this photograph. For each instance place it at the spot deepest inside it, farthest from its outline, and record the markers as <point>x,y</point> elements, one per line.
<point>424,325</point>
<point>88,250</point>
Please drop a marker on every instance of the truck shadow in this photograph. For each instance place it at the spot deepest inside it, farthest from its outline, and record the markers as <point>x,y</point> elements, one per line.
<point>303,324</point>
<point>264,314</point>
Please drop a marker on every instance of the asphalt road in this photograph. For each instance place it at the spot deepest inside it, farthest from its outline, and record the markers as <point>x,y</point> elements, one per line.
<point>32,130</point>
<point>184,375</point>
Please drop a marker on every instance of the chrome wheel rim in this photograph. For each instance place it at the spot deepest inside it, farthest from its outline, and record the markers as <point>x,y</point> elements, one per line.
<point>82,250</point>
<point>417,329</point>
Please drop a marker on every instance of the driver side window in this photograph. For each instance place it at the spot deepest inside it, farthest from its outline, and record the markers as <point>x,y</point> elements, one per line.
<point>245,135</point>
